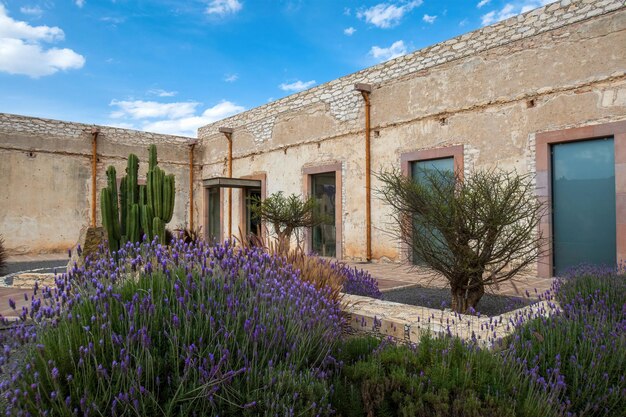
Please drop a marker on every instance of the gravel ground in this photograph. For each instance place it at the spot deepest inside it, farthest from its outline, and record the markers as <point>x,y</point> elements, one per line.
<point>439,298</point>
<point>35,266</point>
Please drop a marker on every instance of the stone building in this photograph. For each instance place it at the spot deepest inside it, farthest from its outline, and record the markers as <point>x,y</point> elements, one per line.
<point>517,95</point>
<point>541,93</point>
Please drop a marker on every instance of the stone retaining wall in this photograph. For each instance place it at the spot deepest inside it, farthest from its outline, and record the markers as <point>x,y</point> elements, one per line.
<point>407,323</point>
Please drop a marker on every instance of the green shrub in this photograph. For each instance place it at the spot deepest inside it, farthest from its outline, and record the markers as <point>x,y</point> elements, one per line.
<point>438,377</point>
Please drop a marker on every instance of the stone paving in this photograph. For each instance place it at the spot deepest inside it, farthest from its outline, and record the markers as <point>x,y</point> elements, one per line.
<point>394,275</point>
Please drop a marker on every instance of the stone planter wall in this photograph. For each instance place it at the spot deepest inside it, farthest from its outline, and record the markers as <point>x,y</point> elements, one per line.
<point>407,323</point>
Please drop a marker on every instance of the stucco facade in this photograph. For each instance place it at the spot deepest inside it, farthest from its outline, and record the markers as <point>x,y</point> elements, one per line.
<point>45,177</point>
<point>490,92</point>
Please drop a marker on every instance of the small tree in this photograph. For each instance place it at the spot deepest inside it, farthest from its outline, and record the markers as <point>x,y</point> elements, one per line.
<point>475,231</point>
<point>286,215</point>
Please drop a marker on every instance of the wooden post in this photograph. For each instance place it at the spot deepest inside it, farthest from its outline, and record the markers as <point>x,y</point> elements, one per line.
<point>228,132</point>
<point>94,166</point>
<point>191,147</point>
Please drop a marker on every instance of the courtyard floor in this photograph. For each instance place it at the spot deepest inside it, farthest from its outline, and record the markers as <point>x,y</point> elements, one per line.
<point>389,276</point>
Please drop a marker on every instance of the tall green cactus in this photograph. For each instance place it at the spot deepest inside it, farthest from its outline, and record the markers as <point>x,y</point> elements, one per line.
<point>108,208</point>
<point>143,209</point>
<point>122,223</point>
<point>160,190</point>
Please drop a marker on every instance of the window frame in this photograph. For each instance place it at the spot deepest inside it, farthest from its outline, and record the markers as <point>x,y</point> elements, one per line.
<point>456,152</point>
<point>308,173</point>
<point>543,189</point>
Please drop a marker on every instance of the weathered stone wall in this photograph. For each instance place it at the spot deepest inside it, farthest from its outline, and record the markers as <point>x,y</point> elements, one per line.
<point>45,177</point>
<point>492,90</point>
<point>407,323</point>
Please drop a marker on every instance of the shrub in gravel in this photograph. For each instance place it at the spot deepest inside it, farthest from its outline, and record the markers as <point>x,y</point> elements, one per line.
<point>180,331</point>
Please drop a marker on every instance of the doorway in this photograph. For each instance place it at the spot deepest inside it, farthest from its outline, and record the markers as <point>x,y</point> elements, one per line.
<point>583,203</point>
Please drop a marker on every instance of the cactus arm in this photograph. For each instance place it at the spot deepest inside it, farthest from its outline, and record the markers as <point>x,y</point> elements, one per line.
<point>133,222</point>
<point>169,191</point>
<point>152,162</point>
<point>114,217</point>
<point>159,229</point>
<point>123,206</point>
<point>146,220</point>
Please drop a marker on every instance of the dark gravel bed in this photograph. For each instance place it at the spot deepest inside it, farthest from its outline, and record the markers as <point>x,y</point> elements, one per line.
<point>32,266</point>
<point>439,298</point>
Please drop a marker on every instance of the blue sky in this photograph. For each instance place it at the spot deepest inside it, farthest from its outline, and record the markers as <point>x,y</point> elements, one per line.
<point>171,66</point>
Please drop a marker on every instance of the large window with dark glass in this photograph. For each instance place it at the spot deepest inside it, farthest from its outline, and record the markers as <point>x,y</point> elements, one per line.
<point>323,237</point>
<point>253,223</point>
<point>583,203</point>
<point>214,220</point>
<point>420,170</point>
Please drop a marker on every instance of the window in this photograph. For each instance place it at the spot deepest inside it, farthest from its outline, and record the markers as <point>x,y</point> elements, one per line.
<point>214,215</point>
<point>416,164</point>
<point>581,155</point>
<point>252,222</point>
<point>324,236</point>
<point>324,183</point>
<point>583,203</point>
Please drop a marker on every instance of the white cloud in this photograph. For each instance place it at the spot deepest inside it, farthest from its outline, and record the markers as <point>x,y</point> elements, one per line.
<point>512,9</point>
<point>231,78</point>
<point>223,7</point>
<point>80,3</point>
<point>349,31</point>
<point>179,118</point>
<point>162,93</point>
<point>429,19</point>
<point>34,11</point>
<point>297,86</point>
<point>22,52</point>
<point>113,20</point>
<point>10,28</point>
<point>140,109</point>
<point>482,3</point>
<point>386,15</point>
<point>385,54</point>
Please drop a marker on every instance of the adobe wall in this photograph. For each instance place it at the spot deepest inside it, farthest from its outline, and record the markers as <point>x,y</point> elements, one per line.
<point>492,90</point>
<point>45,177</point>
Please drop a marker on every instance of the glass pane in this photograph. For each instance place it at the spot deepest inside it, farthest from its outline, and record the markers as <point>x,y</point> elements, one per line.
<point>214,222</point>
<point>583,203</point>
<point>324,235</point>
<point>441,165</point>
<point>418,170</point>
<point>253,223</point>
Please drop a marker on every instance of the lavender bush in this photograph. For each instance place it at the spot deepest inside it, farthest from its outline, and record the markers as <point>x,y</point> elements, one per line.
<point>187,330</point>
<point>358,281</point>
<point>580,354</point>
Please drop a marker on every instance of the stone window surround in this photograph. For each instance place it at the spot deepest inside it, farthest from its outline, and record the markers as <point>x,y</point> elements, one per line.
<point>308,172</point>
<point>261,176</point>
<point>455,152</point>
<point>544,141</point>
<point>206,213</point>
